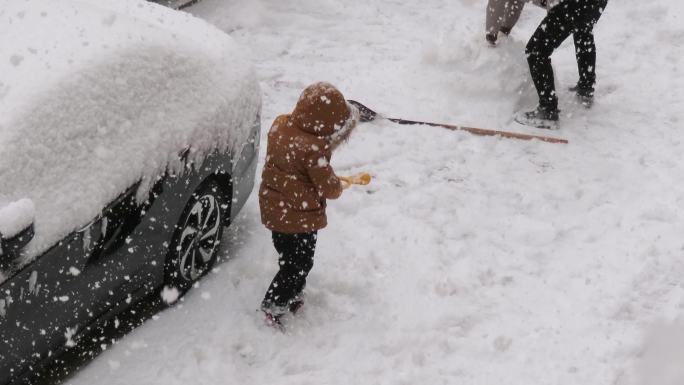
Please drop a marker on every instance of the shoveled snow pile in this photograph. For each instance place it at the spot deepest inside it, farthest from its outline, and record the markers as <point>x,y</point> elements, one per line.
<point>466,59</point>
<point>96,95</point>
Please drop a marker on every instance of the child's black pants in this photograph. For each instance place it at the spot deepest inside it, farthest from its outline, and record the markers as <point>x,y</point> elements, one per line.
<point>296,253</point>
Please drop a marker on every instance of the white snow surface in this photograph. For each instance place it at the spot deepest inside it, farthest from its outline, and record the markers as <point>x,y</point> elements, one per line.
<point>467,260</point>
<point>96,95</point>
<point>15,217</point>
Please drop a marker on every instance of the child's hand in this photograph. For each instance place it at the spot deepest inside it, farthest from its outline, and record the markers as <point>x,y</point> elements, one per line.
<point>362,178</point>
<point>345,181</point>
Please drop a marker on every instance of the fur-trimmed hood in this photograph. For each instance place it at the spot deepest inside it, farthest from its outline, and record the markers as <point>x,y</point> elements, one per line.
<point>321,110</point>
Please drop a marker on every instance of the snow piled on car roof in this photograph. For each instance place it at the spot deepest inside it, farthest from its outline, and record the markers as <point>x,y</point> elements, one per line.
<point>96,95</point>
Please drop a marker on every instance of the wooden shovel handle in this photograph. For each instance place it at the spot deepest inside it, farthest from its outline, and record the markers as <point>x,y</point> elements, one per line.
<point>483,131</point>
<point>368,115</point>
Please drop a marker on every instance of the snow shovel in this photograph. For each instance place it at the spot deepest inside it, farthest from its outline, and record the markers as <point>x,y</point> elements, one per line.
<point>368,115</point>
<point>362,178</point>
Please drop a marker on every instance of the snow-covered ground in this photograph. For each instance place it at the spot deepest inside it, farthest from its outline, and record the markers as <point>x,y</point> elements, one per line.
<point>467,260</point>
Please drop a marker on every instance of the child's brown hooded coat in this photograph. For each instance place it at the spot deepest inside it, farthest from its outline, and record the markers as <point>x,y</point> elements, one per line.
<point>297,177</point>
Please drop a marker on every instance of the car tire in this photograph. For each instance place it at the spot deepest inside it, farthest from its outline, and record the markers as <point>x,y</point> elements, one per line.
<point>197,238</point>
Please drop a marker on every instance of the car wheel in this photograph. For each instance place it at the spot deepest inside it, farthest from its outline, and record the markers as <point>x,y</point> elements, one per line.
<point>197,237</point>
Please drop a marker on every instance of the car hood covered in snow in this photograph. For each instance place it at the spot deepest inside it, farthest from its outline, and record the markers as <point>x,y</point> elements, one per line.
<point>96,95</point>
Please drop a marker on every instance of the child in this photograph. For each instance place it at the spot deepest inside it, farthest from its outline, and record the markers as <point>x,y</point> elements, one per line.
<point>296,181</point>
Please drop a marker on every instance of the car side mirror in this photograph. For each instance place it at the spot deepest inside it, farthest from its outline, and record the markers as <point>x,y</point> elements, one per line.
<point>16,230</point>
<point>10,247</point>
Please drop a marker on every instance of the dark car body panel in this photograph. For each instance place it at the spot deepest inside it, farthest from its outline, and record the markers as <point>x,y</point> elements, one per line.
<point>176,4</point>
<point>109,263</point>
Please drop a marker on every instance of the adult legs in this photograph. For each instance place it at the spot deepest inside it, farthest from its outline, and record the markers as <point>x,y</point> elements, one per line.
<point>585,47</point>
<point>585,52</point>
<point>553,30</point>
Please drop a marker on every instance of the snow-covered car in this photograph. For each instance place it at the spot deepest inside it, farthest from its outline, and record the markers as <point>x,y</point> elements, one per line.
<point>128,141</point>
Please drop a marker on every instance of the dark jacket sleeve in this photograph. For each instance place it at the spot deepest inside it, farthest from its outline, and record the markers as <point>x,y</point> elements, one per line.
<point>322,175</point>
<point>503,13</point>
<point>512,13</point>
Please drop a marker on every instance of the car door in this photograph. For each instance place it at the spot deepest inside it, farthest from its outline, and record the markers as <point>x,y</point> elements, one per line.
<point>44,306</point>
<point>111,269</point>
<point>35,305</point>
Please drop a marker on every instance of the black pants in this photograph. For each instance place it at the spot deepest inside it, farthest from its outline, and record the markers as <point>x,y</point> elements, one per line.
<point>576,17</point>
<point>296,253</point>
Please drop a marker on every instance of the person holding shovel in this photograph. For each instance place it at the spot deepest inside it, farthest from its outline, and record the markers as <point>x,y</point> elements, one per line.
<point>296,182</point>
<point>565,17</point>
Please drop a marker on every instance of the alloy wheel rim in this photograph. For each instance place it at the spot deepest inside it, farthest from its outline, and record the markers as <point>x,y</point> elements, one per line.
<point>200,238</point>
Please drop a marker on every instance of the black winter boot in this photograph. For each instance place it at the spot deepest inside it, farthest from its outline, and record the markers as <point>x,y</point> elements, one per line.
<point>540,118</point>
<point>585,96</point>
